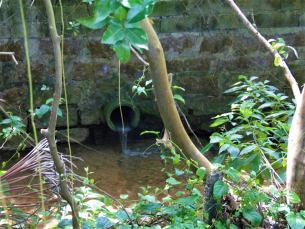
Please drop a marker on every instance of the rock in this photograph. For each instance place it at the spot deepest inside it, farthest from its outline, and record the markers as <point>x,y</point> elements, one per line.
<point>76,135</point>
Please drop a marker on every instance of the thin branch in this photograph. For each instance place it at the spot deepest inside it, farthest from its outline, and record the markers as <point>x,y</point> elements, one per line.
<point>12,54</point>
<point>139,57</point>
<point>293,83</point>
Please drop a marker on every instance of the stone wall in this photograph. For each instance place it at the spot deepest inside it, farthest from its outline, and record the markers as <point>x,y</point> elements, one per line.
<point>205,44</point>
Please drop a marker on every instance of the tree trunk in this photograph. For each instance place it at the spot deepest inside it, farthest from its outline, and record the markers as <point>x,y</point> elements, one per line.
<point>165,100</point>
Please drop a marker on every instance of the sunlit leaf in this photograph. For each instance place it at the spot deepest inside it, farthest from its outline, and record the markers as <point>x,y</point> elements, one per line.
<point>92,23</point>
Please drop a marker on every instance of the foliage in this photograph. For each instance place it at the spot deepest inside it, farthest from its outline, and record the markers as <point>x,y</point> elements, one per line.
<point>280,45</point>
<point>259,125</point>
<point>122,19</point>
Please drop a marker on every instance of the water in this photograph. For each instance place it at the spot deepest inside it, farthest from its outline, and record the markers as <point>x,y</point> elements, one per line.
<point>123,134</point>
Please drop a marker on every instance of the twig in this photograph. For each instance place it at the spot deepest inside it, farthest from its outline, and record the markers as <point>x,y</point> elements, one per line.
<point>139,57</point>
<point>10,53</point>
<point>283,65</point>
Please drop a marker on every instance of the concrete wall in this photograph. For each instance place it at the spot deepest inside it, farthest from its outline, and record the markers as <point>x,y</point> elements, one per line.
<point>205,44</point>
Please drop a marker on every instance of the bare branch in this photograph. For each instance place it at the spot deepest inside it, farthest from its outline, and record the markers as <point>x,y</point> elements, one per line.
<point>293,83</point>
<point>139,57</point>
<point>10,53</point>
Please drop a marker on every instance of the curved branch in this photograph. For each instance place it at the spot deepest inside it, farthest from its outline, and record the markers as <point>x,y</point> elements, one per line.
<point>50,132</point>
<point>293,83</point>
<point>166,102</point>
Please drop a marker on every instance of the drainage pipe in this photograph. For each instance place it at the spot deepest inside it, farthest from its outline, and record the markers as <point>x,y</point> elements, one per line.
<point>130,112</point>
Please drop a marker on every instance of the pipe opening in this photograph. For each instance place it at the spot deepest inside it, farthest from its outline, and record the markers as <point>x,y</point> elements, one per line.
<point>128,116</point>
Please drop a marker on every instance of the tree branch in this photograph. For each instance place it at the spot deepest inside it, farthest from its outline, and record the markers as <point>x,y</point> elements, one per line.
<point>12,54</point>
<point>293,83</point>
<point>50,132</point>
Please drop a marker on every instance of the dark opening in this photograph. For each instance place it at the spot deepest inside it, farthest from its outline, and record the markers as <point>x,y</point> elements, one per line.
<point>190,111</point>
<point>128,116</point>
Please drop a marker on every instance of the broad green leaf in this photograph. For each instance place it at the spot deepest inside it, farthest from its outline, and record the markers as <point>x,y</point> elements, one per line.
<point>293,197</point>
<point>233,174</point>
<point>121,215</point>
<point>220,189</point>
<point>235,89</point>
<point>233,150</point>
<point>177,87</point>
<point>178,172</point>
<point>120,14</point>
<point>172,181</point>
<point>246,112</point>
<point>201,172</point>
<point>268,104</point>
<point>130,3</point>
<point>137,37</point>
<point>276,114</point>
<point>248,149</point>
<point>187,201</point>
<point>206,148</point>
<point>223,147</point>
<point>6,121</point>
<point>295,221</point>
<point>122,50</point>
<point>59,112</point>
<point>176,159</point>
<point>42,110</point>
<point>140,11</point>
<point>114,5</point>
<point>219,159</point>
<point>92,23</point>
<point>150,207</point>
<point>102,9</point>
<point>88,0</point>
<point>64,223</point>
<point>216,138</point>
<point>253,216</point>
<point>219,121</point>
<point>123,196</point>
<point>179,97</point>
<point>277,61</point>
<point>113,34</point>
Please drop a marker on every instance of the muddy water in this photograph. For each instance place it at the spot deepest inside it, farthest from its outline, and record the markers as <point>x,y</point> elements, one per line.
<point>120,173</point>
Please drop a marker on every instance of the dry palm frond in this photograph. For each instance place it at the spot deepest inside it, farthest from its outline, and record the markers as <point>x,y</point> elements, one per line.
<point>21,187</point>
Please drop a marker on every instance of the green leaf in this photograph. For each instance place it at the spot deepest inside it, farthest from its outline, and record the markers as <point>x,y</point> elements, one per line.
<point>233,150</point>
<point>220,189</point>
<point>293,197</point>
<point>277,61</point>
<point>102,10</point>
<point>137,37</point>
<point>233,174</point>
<point>246,112</point>
<point>187,201</point>
<point>59,112</point>
<point>176,159</point>
<point>123,196</point>
<point>172,181</point>
<point>223,148</point>
<point>179,97</point>
<point>219,121</point>
<point>201,172</point>
<point>140,11</point>
<point>268,104</point>
<point>6,121</point>
<point>253,216</point>
<point>150,207</point>
<point>248,149</point>
<point>177,87</point>
<point>120,14</point>
<point>219,159</point>
<point>130,3</point>
<point>235,89</point>
<point>295,221</point>
<point>216,138</point>
<point>42,110</point>
<point>64,223</point>
<point>50,100</point>
<point>102,222</point>
<point>92,23</point>
<point>276,114</point>
<point>113,34</point>
<point>122,50</point>
<point>178,172</point>
<point>121,215</point>
<point>206,148</point>
<point>150,132</point>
